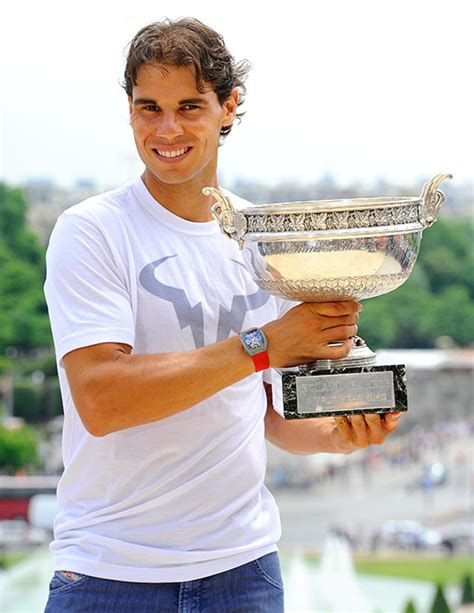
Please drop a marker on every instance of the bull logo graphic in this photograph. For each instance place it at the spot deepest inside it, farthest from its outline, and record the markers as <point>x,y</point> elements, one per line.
<point>230,320</point>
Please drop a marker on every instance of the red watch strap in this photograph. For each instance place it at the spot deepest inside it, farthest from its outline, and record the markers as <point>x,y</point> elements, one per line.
<point>261,361</point>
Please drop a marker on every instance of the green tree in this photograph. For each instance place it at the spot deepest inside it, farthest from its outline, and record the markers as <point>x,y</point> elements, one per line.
<point>18,449</point>
<point>467,591</point>
<point>437,299</point>
<point>14,233</point>
<point>440,604</point>
<point>410,607</point>
<point>23,316</point>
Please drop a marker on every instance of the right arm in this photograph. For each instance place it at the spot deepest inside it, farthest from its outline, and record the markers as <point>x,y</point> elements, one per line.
<point>94,330</point>
<point>114,389</point>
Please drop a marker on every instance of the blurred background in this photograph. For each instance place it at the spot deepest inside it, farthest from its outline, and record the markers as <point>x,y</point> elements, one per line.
<point>345,99</point>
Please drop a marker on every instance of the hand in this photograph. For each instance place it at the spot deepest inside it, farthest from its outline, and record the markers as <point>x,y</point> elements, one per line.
<point>359,431</point>
<point>302,335</point>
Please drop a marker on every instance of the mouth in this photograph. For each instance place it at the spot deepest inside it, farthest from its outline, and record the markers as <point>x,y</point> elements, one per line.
<point>171,155</point>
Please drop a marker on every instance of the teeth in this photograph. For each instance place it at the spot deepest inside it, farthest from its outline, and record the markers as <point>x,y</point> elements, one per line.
<point>172,154</point>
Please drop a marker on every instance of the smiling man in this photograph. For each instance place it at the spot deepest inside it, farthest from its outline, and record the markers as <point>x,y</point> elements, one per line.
<point>163,343</point>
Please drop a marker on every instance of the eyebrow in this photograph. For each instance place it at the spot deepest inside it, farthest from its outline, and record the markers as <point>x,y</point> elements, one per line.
<point>181,102</point>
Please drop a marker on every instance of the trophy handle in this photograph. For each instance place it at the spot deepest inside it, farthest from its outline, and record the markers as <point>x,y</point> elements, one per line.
<point>432,199</point>
<point>231,221</point>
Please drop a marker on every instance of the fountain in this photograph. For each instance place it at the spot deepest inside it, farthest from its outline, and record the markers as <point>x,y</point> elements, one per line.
<point>332,587</point>
<point>336,585</point>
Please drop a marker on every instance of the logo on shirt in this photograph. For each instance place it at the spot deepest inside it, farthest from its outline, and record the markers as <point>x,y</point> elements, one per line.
<point>230,320</point>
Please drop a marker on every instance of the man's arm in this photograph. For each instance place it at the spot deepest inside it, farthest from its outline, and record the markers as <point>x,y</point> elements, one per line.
<point>327,434</point>
<point>114,389</point>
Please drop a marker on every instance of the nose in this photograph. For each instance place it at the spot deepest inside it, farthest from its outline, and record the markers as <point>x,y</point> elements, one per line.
<point>168,125</point>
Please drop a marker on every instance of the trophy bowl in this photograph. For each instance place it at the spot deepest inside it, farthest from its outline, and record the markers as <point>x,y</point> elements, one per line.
<point>326,250</point>
<point>329,250</point>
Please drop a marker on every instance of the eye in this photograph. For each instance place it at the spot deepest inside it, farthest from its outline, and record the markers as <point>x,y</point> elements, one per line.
<point>151,107</point>
<point>189,107</point>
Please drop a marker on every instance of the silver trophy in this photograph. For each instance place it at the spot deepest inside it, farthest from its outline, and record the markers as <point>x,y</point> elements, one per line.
<point>331,250</point>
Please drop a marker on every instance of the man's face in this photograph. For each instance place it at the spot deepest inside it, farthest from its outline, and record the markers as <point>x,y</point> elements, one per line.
<point>176,127</point>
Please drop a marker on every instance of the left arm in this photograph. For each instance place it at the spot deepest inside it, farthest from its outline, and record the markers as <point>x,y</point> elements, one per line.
<point>339,434</point>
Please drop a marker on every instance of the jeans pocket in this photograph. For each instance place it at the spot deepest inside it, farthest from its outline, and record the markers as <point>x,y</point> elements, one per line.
<point>269,567</point>
<point>65,580</point>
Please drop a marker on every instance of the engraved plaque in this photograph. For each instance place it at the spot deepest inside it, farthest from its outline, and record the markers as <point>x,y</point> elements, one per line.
<point>345,392</point>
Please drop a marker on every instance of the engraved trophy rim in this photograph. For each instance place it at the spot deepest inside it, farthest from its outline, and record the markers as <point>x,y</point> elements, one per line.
<point>337,204</point>
<point>333,218</point>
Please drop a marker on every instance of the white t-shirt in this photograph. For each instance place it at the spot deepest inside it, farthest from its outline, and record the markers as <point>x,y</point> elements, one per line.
<point>183,497</point>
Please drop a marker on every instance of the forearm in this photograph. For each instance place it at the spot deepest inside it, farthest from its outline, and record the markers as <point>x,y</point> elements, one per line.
<point>303,436</point>
<point>131,390</point>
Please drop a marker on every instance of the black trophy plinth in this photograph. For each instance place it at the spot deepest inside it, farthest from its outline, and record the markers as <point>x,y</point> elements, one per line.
<point>303,393</point>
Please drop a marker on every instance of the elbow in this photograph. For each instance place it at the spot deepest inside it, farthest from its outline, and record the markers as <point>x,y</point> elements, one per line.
<point>92,407</point>
<point>96,428</point>
<point>92,419</point>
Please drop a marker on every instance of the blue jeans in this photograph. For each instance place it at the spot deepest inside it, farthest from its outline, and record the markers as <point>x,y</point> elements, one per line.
<point>255,587</point>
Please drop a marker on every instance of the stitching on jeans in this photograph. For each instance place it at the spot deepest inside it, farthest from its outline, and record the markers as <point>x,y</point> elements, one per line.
<point>67,586</point>
<point>270,580</point>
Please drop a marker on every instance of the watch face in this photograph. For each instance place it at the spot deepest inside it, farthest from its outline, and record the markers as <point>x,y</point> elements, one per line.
<point>254,341</point>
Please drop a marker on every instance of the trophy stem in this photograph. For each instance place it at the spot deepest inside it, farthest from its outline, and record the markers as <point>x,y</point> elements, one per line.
<point>360,355</point>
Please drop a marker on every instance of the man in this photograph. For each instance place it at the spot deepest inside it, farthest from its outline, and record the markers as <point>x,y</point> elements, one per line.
<point>162,505</point>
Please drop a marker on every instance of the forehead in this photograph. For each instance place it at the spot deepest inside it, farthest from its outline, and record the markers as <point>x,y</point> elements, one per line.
<point>168,82</point>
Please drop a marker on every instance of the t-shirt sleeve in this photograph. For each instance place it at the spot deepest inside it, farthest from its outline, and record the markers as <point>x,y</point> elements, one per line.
<point>88,300</point>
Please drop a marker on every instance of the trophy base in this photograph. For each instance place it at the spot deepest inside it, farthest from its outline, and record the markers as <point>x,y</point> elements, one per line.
<point>313,391</point>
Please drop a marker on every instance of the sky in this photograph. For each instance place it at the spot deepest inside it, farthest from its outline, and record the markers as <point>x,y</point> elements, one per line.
<point>359,89</point>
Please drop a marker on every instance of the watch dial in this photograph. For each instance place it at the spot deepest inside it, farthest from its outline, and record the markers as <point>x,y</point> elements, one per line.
<point>254,339</point>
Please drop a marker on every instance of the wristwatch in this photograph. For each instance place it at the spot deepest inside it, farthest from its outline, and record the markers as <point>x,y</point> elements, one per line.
<point>254,343</point>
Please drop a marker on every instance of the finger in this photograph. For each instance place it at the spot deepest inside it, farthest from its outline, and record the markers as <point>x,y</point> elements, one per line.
<point>333,322</point>
<point>391,421</point>
<point>344,428</point>
<point>335,309</point>
<point>332,352</point>
<point>340,333</point>
<point>375,427</point>
<point>360,430</point>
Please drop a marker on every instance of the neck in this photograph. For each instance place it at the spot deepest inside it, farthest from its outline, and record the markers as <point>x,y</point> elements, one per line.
<point>183,199</point>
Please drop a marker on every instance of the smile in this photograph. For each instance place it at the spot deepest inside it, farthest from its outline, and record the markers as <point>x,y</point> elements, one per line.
<point>172,154</point>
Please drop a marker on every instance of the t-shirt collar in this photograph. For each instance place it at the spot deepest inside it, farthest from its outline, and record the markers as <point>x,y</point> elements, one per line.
<point>165,216</point>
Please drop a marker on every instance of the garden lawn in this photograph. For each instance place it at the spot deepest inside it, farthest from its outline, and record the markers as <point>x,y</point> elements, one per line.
<point>437,570</point>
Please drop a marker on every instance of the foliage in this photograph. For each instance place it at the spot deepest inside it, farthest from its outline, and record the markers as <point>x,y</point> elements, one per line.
<point>36,402</point>
<point>440,604</point>
<point>410,607</point>
<point>18,449</point>
<point>467,591</point>
<point>45,362</point>
<point>437,300</point>
<point>23,317</point>
<point>27,399</point>
<point>14,234</point>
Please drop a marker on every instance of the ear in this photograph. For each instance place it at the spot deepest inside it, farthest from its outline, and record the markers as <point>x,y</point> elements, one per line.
<point>130,105</point>
<point>230,108</point>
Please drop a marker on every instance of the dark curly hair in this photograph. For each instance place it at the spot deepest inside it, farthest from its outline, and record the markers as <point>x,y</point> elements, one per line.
<point>188,42</point>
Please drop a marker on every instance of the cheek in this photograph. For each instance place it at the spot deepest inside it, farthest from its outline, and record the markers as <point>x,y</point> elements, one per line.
<point>140,125</point>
